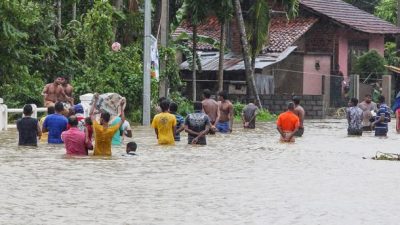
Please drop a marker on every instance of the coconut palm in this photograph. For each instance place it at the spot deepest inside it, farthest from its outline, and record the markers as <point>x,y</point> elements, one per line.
<point>251,84</point>
<point>224,12</point>
<point>257,34</point>
<point>195,12</point>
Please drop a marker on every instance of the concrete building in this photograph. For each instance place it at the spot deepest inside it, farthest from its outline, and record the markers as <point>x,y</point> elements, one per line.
<point>302,55</point>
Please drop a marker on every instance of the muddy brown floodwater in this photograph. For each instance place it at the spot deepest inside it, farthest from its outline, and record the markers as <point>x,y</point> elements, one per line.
<point>247,177</point>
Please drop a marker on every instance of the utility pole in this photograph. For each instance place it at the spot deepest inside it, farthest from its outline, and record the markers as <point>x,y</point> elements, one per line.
<point>146,63</point>
<point>164,32</point>
<point>398,25</point>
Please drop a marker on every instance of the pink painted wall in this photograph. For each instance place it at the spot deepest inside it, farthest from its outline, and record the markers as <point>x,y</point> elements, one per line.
<point>312,83</point>
<point>343,52</point>
<point>377,42</point>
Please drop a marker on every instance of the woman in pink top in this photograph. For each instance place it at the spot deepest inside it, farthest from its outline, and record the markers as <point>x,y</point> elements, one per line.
<point>74,139</point>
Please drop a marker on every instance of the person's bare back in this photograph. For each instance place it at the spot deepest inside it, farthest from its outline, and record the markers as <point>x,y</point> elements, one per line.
<point>210,107</point>
<point>68,89</point>
<point>299,111</point>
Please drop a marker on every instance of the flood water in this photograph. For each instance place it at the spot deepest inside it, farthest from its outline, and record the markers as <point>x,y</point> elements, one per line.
<point>247,177</point>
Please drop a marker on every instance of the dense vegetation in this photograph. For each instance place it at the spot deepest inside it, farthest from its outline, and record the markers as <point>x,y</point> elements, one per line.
<point>42,39</point>
<point>35,48</point>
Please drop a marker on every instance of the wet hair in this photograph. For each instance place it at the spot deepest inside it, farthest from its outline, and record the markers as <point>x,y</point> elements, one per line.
<point>131,146</point>
<point>71,111</point>
<point>88,121</point>
<point>290,105</point>
<point>164,105</point>
<point>197,106</point>
<point>161,99</point>
<point>381,99</point>
<point>173,107</point>
<point>59,107</point>
<point>223,94</point>
<point>105,116</point>
<point>296,100</point>
<point>207,93</point>
<point>51,110</point>
<point>73,121</point>
<point>28,110</point>
<point>354,101</point>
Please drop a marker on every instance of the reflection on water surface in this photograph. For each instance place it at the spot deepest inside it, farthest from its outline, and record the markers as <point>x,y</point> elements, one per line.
<point>247,177</point>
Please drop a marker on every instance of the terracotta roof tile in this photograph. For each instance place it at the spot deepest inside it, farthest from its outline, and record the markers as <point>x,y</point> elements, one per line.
<point>211,28</point>
<point>284,33</point>
<point>349,15</point>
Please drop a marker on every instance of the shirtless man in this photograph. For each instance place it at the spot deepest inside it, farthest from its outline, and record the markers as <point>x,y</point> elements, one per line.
<point>225,120</point>
<point>68,89</point>
<point>299,111</point>
<point>210,107</point>
<point>53,92</point>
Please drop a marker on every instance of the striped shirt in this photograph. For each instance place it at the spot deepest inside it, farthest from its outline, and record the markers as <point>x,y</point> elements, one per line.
<point>383,111</point>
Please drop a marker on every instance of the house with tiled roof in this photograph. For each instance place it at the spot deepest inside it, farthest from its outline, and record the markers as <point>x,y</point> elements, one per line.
<point>302,54</point>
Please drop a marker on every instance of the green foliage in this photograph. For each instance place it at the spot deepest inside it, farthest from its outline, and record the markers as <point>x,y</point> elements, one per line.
<point>223,10</point>
<point>263,115</point>
<point>185,106</point>
<point>196,11</point>
<point>387,10</point>
<point>258,26</point>
<point>117,72</point>
<point>181,44</point>
<point>171,70</point>
<point>371,65</point>
<point>97,31</point>
<point>238,108</point>
<point>291,7</point>
<point>391,54</point>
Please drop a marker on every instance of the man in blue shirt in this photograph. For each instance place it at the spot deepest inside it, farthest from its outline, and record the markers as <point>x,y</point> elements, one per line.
<point>173,108</point>
<point>382,118</point>
<point>55,124</point>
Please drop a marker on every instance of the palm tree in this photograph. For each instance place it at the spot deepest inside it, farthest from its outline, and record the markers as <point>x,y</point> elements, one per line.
<point>258,33</point>
<point>224,11</point>
<point>251,84</point>
<point>195,12</point>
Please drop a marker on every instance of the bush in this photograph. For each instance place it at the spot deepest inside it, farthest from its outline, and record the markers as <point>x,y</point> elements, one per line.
<point>263,115</point>
<point>371,65</point>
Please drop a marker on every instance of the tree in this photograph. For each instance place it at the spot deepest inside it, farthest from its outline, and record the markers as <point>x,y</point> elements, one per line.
<point>257,34</point>
<point>370,66</point>
<point>387,10</point>
<point>251,85</point>
<point>224,11</point>
<point>195,12</point>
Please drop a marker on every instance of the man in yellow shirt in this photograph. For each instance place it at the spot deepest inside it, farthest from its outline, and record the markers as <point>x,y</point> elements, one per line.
<point>103,132</point>
<point>164,125</point>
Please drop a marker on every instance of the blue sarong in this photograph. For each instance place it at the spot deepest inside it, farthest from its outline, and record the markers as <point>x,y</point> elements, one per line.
<point>223,127</point>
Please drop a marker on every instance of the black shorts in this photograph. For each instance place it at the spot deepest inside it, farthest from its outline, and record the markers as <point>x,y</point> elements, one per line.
<point>354,132</point>
<point>381,132</point>
<point>299,132</point>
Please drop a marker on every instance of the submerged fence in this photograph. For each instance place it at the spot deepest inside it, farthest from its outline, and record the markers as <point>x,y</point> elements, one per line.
<point>5,111</point>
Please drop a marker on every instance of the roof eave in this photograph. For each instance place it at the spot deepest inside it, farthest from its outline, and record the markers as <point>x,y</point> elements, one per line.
<point>346,25</point>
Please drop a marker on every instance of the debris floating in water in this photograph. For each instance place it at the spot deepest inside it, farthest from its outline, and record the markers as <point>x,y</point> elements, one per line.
<point>386,156</point>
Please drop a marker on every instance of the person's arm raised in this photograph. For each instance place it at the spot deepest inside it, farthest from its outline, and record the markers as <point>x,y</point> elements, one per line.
<point>91,113</point>
<point>123,101</point>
